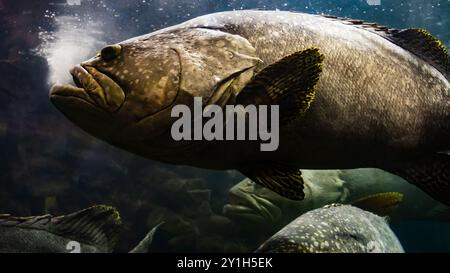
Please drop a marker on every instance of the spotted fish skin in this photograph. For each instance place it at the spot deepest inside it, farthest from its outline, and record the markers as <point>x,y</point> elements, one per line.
<point>334,229</point>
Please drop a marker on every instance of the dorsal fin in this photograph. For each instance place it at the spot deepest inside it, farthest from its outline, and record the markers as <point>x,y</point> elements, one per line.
<point>372,26</point>
<point>423,44</point>
<point>417,41</point>
<point>98,225</point>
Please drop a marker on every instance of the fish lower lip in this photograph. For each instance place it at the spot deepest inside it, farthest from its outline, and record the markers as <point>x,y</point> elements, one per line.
<point>68,90</point>
<point>91,85</point>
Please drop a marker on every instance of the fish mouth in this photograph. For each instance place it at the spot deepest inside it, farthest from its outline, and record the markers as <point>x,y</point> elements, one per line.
<point>248,206</point>
<point>91,86</point>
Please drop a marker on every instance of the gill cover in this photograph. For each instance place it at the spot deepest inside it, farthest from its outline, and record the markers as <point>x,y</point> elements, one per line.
<point>210,58</point>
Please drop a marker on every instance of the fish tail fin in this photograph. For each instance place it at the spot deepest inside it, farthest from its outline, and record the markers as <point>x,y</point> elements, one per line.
<point>431,174</point>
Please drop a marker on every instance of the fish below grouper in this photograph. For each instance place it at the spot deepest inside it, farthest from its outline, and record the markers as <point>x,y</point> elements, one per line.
<point>350,94</point>
<point>334,228</point>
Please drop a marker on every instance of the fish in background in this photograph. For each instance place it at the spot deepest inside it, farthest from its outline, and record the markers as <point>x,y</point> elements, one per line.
<point>338,228</point>
<point>252,205</point>
<point>96,229</point>
<point>351,95</point>
<point>92,230</point>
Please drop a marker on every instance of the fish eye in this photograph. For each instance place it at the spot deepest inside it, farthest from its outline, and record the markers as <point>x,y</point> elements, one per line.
<point>110,52</point>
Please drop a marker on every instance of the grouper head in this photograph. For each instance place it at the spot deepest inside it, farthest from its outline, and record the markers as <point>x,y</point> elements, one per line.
<point>125,94</point>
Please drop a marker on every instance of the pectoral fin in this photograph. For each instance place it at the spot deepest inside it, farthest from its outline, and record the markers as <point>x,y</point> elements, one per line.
<point>431,174</point>
<point>382,204</point>
<point>290,83</point>
<point>284,180</point>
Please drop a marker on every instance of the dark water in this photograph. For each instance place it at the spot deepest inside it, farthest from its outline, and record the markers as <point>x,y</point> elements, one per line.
<point>50,166</point>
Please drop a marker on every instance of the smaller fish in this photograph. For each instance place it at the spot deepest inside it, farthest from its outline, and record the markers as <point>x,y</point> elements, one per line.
<point>92,230</point>
<point>339,228</point>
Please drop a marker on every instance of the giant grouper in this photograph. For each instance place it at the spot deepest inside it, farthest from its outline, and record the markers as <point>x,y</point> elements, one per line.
<point>351,94</point>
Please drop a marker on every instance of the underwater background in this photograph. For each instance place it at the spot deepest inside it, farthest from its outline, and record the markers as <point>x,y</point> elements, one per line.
<point>49,165</point>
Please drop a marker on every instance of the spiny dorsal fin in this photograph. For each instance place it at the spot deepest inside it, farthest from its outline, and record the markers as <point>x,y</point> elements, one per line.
<point>382,204</point>
<point>371,26</point>
<point>423,44</point>
<point>98,225</point>
<point>417,41</point>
